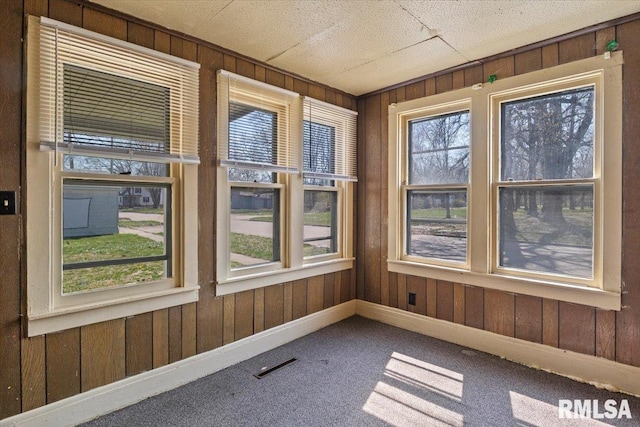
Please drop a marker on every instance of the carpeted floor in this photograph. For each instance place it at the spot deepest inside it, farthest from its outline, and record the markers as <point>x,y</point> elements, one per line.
<point>363,373</point>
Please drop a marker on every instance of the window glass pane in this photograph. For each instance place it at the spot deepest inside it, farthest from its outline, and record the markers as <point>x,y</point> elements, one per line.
<point>112,236</point>
<point>437,224</point>
<point>252,134</point>
<point>250,175</point>
<point>547,229</point>
<point>318,151</point>
<point>255,226</point>
<point>320,222</point>
<point>113,166</point>
<point>548,137</point>
<point>439,149</point>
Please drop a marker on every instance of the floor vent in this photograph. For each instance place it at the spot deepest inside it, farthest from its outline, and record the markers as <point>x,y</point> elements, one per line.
<point>266,371</point>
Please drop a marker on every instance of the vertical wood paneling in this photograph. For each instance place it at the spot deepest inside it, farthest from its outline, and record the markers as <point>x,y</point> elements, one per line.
<point>473,75</point>
<point>458,79</point>
<point>577,48</point>
<point>66,11</point>
<point>34,393</point>
<point>245,68</point>
<point>162,41</point>
<point>603,37</point>
<point>430,86</point>
<point>301,87</point>
<point>160,338</point>
<point>393,290</point>
<point>299,299</point>
<point>244,314</point>
<point>402,291</point>
<point>288,302</point>
<point>458,303</point>
<point>260,73</point>
<point>501,68</point>
<point>317,92</point>
<point>417,285</point>
<point>274,78</point>
<point>337,288</point>
<point>102,353</point>
<point>605,334</point>
<point>577,331</point>
<point>414,90</point>
<point>444,305</point>
<point>315,294</point>
<point>258,310</point>
<point>550,55</point>
<point>140,34</point>
<point>529,318</point>
<point>444,83</point>
<point>274,306</point>
<point>372,185</point>
<point>209,309</point>
<point>139,343</point>
<point>175,334</point>
<point>432,297</point>
<point>401,95</point>
<point>528,61</point>
<point>550,322</point>
<point>384,197</point>
<point>63,364</point>
<point>499,309</point>
<point>229,318</point>
<point>11,18</point>
<point>361,248</point>
<point>346,285</point>
<point>103,23</point>
<point>36,7</point>
<point>329,290</point>
<point>628,319</point>
<point>474,307</point>
<point>188,330</point>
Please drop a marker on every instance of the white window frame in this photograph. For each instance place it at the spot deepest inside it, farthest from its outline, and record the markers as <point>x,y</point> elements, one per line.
<point>50,310</point>
<point>292,265</point>
<point>605,288</point>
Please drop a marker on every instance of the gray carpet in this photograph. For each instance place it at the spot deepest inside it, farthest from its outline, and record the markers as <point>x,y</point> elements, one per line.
<point>363,373</point>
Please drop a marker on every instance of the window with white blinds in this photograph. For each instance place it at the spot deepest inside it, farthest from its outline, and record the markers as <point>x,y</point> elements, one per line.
<point>329,141</point>
<point>259,125</point>
<point>104,97</point>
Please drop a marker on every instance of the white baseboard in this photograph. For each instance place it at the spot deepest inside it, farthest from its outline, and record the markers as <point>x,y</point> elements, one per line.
<point>600,372</point>
<point>102,400</point>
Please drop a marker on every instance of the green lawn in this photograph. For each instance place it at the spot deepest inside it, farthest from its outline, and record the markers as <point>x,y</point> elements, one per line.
<point>315,218</point>
<point>262,248</point>
<point>127,223</point>
<point>113,246</point>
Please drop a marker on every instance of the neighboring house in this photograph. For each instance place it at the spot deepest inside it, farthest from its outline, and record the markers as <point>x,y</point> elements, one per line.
<point>134,197</point>
<point>90,211</point>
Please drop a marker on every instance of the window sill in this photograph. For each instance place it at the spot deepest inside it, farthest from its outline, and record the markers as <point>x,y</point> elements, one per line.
<point>607,300</point>
<point>66,318</point>
<point>261,280</point>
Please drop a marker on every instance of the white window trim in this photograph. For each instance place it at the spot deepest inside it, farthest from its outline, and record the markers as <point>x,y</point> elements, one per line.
<point>606,294</point>
<point>293,264</point>
<point>47,311</point>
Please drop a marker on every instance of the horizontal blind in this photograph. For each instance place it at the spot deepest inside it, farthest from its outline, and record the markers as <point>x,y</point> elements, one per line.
<point>259,125</point>
<point>329,141</point>
<point>108,98</point>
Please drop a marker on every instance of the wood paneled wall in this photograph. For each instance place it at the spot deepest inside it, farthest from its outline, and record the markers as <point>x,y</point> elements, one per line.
<point>40,370</point>
<point>609,334</point>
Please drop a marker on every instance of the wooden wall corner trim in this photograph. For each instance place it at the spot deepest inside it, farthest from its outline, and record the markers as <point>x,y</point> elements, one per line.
<point>75,410</point>
<point>597,371</point>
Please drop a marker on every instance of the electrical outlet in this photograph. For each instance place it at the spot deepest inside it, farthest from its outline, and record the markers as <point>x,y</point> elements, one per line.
<point>7,202</point>
<point>412,298</point>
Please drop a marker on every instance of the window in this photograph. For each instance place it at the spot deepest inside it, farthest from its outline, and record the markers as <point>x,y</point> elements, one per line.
<point>283,185</point>
<point>515,185</point>
<point>112,155</point>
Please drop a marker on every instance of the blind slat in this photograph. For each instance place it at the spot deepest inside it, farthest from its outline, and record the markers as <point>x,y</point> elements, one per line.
<point>259,126</point>
<point>113,97</point>
<point>329,141</point>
